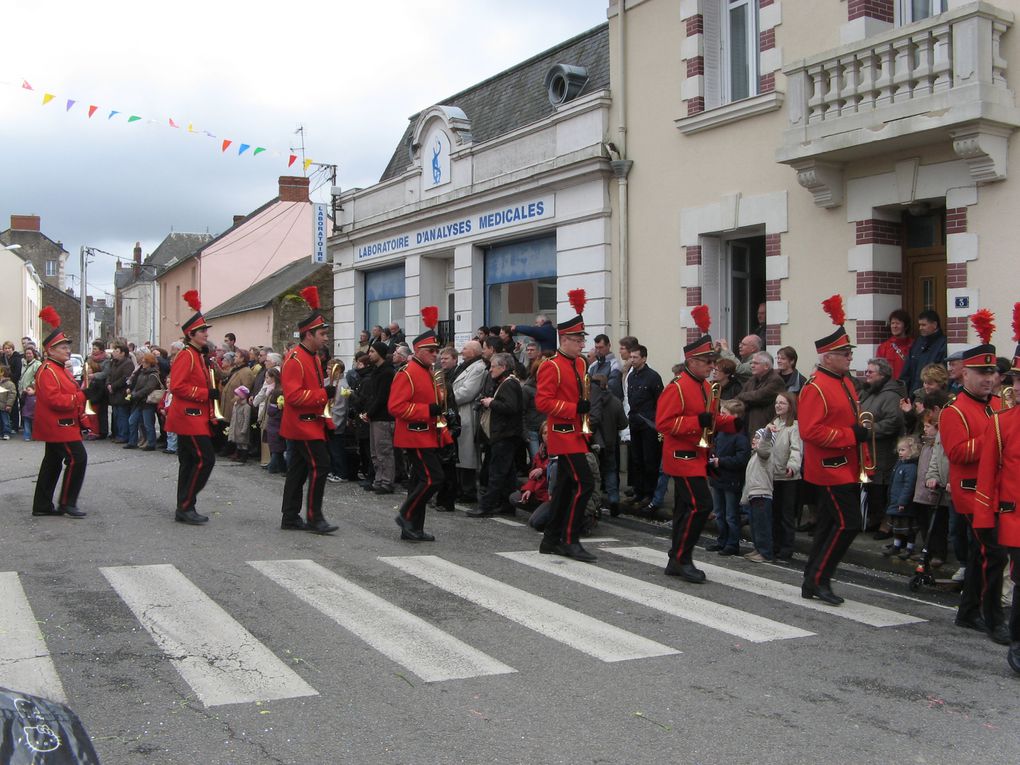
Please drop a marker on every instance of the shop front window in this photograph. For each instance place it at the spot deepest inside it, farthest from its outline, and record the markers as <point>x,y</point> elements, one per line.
<point>520,282</point>
<point>384,297</point>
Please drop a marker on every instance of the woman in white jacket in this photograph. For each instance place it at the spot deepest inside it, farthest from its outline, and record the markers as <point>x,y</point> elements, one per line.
<point>787,453</point>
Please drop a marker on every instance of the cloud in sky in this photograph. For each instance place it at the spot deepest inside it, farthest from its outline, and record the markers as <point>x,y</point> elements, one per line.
<point>351,73</point>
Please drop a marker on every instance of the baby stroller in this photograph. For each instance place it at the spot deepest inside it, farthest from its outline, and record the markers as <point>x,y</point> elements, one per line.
<point>923,577</point>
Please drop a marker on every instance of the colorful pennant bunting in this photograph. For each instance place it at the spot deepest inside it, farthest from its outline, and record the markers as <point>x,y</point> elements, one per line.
<point>70,103</point>
<point>112,113</point>
<point>25,85</point>
<point>47,97</point>
<point>133,118</point>
<point>92,110</point>
<point>243,148</point>
<point>257,151</point>
<point>226,143</point>
<point>173,124</point>
<point>292,160</point>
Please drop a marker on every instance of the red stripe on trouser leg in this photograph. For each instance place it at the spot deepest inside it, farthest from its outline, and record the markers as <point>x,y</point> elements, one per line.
<point>189,501</point>
<point>835,538</point>
<point>573,504</point>
<point>66,488</point>
<point>682,544</point>
<point>313,475</point>
<point>412,506</point>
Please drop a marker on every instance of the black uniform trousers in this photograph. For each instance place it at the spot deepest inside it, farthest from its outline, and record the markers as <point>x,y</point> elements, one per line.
<point>427,477</point>
<point>839,521</point>
<point>1014,575</point>
<point>195,458</point>
<point>502,475</point>
<point>692,504</point>
<point>57,455</point>
<point>570,495</point>
<point>309,462</point>
<point>982,582</point>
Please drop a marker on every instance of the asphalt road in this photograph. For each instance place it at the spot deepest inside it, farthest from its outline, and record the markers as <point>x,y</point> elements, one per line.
<point>178,644</point>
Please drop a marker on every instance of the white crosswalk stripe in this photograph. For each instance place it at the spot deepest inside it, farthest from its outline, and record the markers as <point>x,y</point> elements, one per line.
<point>221,661</point>
<point>873,616</point>
<point>732,621</point>
<point>425,650</point>
<point>572,628</point>
<point>25,663</point>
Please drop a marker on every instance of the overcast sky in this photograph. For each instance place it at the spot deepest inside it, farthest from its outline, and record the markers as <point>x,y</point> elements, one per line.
<point>350,72</point>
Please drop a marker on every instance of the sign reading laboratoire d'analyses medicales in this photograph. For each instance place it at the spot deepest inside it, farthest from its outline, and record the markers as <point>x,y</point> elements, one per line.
<point>319,232</point>
<point>488,220</point>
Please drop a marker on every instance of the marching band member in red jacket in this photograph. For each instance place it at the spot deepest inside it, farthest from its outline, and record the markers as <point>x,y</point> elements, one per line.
<point>59,405</point>
<point>828,416</point>
<point>560,396</point>
<point>303,423</point>
<point>685,411</point>
<point>998,491</point>
<point>415,406</point>
<point>963,428</point>
<point>190,414</point>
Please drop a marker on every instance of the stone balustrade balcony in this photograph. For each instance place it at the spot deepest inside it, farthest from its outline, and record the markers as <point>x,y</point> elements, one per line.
<point>937,80</point>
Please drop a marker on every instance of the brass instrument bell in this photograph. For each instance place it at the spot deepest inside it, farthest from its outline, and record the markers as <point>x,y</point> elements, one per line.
<point>866,420</point>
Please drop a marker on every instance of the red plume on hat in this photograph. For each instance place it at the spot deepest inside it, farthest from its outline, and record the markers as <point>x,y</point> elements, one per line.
<point>1016,322</point>
<point>430,316</point>
<point>50,316</point>
<point>191,298</point>
<point>311,296</point>
<point>577,299</point>
<point>702,318</point>
<point>834,307</point>
<point>983,322</point>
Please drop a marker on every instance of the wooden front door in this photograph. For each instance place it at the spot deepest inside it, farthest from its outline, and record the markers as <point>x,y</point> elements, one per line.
<point>924,264</point>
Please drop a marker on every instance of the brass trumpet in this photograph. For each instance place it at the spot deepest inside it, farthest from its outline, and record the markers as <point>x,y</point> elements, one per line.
<point>1008,397</point>
<point>89,411</point>
<point>334,378</point>
<point>217,414</point>
<point>585,419</point>
<point>440,382</point>
<point>866,420</point>
<point>712,407</point>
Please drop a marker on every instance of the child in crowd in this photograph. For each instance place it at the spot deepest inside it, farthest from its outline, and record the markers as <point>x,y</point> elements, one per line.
<point>758,495</point>
<point>930,495</point>
<point>8,395</point>
<point>901,498</point>
<point>728,462</point>
<point>534,491</point>
<point>274,413</point>
<point>240,424</point>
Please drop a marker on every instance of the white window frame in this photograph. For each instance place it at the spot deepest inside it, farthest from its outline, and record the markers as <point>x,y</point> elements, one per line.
<point>717,45</point>
<point>905,11</point>
<point>52,268</point>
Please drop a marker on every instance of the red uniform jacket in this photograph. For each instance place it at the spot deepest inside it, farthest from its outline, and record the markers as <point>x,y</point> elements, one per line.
<point>188,414</point>
<point>304,397</point>
<point>998,486</point>
<point>826,415</point>
<point>962,425</point>
<point>412,391</point>
<point>559,387</point>
<point>59,403</point>
<point>676,418</point>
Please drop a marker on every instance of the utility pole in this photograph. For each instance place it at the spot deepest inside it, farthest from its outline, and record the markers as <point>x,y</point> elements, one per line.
<point>84,309</point>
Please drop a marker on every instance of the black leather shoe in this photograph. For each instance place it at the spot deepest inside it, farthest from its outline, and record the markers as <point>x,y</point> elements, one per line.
<point>293,524</point>
<point>714,547</point>
<point>999,634</point>
<point>443,509</point>
<point>824,594</point>
<point>131,446</point>
<point>424,536</point>
<point>1013,656</point>
<point>550,548</point>
<point>972,623</point>
<point>475,513</point>
<point>686,571</point>
<point>190,517</point>
<point>578,553</point>
<point>321,526</point>
<point>614,509</point>
<point>72,511</point>
<point>410,535</point>
<point>383,490</point>
<point>47,512</point>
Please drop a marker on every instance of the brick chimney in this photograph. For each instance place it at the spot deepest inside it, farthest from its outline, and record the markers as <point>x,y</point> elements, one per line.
<point>293,189</point>
<point>31,222</point>
<point>138,259</point>
<point>239,218</point>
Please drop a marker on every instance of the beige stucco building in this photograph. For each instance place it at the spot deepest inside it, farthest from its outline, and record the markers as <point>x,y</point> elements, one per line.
<point>19,310</point>
<point>784,150</point>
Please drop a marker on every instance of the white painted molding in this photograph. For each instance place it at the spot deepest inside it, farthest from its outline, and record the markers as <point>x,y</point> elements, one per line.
<point>961,248</point>
<point>823,179</point>
<point>984,148</point>
<point>875,257</point>
<point>723,115</point>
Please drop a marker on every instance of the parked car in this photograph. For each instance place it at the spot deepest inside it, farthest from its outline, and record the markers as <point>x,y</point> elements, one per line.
<point>77,365</point>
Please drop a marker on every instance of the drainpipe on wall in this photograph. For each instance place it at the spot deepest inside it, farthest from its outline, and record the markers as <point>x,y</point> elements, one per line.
<point>621,168</point>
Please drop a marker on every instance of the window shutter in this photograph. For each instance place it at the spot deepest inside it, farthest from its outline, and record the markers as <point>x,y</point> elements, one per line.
<point>711,283</point>
<point>711,20</point>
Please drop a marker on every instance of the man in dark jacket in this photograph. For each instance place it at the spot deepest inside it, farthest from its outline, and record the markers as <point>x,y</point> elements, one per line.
<point>881,396</point>
<point>759,393</point>
<point>607,420</point>
<point>643,388</point>
<point>543,331</point>
<point>376,393</point>
<point>506,424</point>
<point>929,348</point>
<point>121,369</point>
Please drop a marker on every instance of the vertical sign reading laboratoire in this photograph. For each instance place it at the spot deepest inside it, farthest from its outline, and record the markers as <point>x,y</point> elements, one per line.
<point>319,219</point>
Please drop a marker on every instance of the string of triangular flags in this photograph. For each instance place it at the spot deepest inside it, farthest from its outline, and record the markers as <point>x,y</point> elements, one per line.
<point>225,143</point>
